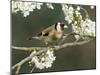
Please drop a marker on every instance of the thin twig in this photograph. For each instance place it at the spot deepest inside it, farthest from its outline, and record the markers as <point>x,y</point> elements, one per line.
<point>28,48</point>
<point>71,44</point>
<point>32,69</point>
<point>18,69</point>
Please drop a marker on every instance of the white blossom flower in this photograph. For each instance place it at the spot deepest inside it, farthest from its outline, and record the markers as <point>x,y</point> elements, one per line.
<point>25,7</point>
<point>68,12</point>
<point>77,13</point>
<point>87,27</point>
<point>38,5</point>
<point>71,9</point>
<point>92,7</point>
<point>45,60</point>
<point>80,26</point>
<point>78,8</point>
<point>77,37</point>
<point>49,5</point>
<point>26,13</point>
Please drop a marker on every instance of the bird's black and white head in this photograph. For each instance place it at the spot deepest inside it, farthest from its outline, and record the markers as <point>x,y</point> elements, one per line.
<point>59,26</point>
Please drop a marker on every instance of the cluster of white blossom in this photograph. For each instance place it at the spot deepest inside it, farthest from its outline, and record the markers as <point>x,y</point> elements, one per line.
<point>87,28</point>
<point>27,7</point>
<point>68,11</point>
<point>45,60</point>
<point>82,27</point>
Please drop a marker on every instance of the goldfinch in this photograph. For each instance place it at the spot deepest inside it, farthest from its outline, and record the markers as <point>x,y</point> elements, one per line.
<point>51,34</point>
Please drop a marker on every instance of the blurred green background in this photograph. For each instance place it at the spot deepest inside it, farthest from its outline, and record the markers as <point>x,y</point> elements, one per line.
<point>68,59</point>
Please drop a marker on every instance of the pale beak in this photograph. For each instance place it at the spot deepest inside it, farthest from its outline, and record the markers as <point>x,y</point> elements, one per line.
<point>65,26</point>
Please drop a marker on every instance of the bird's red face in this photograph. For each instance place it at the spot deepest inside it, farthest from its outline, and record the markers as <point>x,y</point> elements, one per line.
<point>60,26</point>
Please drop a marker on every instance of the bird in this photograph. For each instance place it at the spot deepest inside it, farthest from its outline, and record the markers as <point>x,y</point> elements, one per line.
<point>51,34</point>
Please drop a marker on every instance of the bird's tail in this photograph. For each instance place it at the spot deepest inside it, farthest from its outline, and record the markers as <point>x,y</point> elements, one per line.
<point>35,37</point>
